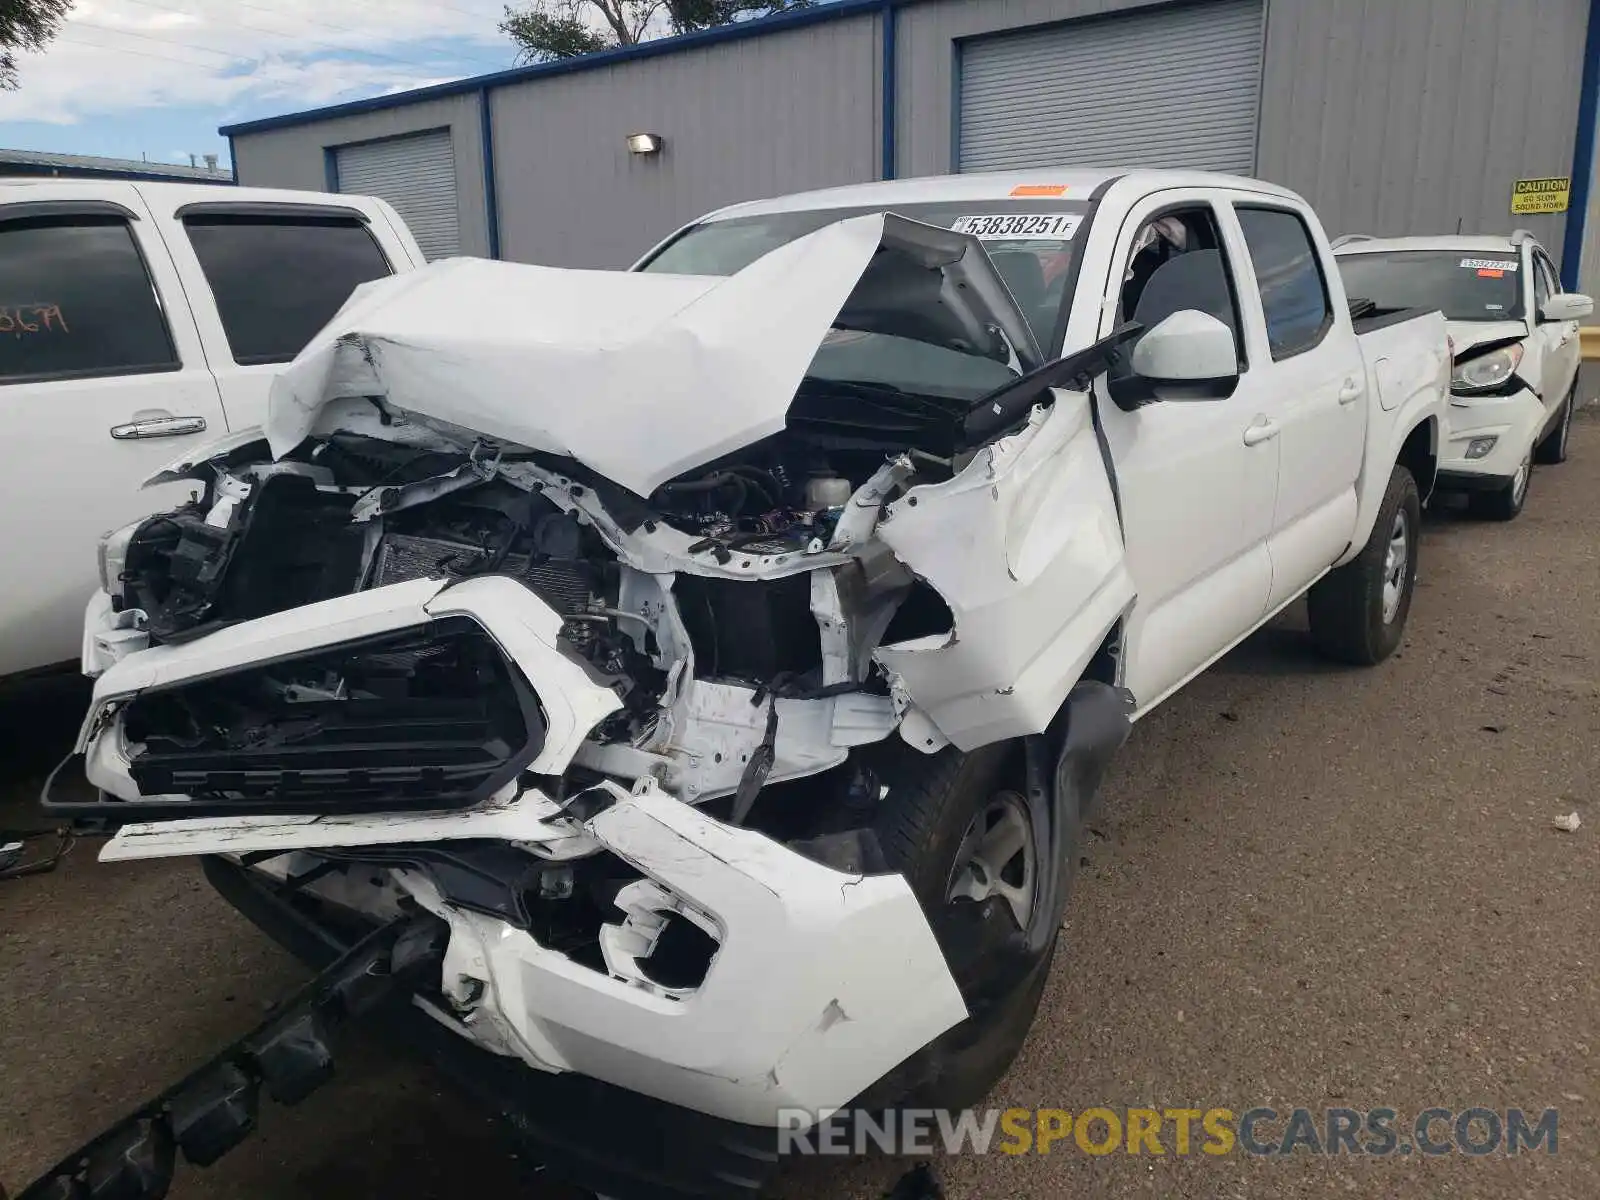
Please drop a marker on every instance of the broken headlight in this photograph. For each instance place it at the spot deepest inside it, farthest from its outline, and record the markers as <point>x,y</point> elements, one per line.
<point>113,557</point>
<point>1486,372</point>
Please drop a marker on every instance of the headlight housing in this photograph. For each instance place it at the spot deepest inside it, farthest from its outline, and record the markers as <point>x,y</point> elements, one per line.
<point>1487,372</point>
<point>113,560</point>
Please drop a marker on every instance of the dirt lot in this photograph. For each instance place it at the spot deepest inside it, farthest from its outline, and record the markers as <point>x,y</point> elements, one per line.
<point>1307,886</point>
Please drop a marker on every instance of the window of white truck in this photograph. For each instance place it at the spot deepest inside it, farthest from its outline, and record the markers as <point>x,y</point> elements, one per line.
<point>270,301</point>
<point>76,301</point>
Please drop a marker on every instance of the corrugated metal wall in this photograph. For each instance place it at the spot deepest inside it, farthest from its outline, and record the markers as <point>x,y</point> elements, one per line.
<point>742,120</point>
<point>1407,116</point>
<point>294,157</point>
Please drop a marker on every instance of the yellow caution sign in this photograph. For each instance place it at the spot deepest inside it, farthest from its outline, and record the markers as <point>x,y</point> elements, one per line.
<point>1540,195</point>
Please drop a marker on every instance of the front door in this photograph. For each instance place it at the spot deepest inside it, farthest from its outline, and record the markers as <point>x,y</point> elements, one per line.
<point>101,382</point>
<point>1197,477</point>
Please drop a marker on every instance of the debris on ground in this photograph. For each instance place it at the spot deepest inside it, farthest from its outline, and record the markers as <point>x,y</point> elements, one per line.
<point>1568,823</point>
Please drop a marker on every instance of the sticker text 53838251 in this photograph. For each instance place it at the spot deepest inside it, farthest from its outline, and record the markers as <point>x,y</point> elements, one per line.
<point>1053,227</point>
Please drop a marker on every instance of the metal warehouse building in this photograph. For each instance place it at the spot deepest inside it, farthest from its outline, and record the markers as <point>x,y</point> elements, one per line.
<point>1401,116</point>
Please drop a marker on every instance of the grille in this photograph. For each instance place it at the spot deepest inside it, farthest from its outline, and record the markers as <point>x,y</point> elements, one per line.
<point>561,583</point>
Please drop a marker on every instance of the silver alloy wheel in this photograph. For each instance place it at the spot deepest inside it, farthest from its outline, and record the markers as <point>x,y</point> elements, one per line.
<point>997,857</point>
<point>1519,481</point>
<point>1394,566</point>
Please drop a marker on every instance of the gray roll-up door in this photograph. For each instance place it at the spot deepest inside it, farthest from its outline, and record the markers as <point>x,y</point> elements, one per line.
<point>1176,88</point>
<point>417,175</point>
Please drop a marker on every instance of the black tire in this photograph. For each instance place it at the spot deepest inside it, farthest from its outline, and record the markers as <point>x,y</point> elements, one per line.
<point>1553,448</point>
<point>1346,606</point>
<point>932,800</point>
<point>1505,502</point>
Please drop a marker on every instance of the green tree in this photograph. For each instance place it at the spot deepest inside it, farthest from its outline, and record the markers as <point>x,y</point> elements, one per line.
<point>551,29</point>
<point>26,25</point>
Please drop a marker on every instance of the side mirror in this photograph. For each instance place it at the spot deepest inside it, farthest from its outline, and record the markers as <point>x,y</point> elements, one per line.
<point>1566,306</point>
<point>1187,347</point>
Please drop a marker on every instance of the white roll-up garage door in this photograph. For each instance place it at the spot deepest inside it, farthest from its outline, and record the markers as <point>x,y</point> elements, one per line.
<point>1176,88</point>
<point>417,175</point>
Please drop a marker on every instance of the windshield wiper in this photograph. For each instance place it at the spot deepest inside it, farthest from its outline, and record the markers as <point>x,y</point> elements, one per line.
<point>1007,405</point>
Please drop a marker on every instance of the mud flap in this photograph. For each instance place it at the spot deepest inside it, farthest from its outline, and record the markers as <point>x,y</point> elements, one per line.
<point>213,1109</point>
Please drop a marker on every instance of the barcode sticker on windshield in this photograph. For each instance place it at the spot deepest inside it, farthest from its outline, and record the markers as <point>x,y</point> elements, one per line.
<point>1488,264</point>
<point>1054,227</point>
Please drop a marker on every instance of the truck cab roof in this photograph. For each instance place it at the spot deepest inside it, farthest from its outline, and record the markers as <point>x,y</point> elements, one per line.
<point>1074,183</point>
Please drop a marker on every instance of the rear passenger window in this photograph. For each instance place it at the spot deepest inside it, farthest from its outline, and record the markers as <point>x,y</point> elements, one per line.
<point>1294,294</point>
<point>77,301</point>
<point>278,280</point>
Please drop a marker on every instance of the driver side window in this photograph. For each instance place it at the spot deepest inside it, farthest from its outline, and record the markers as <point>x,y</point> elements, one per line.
<point>1544,285</point>
<point>1177,261</point>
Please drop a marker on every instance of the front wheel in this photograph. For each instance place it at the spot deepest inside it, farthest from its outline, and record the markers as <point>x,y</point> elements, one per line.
<point>1553,449</point>
<point>953,825</point>
<point>1358,611</point>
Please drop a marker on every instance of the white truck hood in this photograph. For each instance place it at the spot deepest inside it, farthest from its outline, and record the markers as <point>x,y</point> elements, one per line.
<point>638,376</point>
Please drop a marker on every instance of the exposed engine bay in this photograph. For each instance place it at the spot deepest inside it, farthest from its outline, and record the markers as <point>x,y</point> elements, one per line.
<point>629,732</point>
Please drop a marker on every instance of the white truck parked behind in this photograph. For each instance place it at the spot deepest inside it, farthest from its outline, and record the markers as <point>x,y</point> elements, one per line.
<point>133,317</point>
<point>1517,354</point>
<point>722,656</point>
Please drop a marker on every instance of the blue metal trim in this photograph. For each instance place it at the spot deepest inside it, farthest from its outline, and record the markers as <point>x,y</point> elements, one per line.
<point>491,200</point>
<point>955,107</point>
<point>233,161</point>
<point>890,86</point>
<point>835,11</point>
<point>1582,154</point>
<point>330,168</point>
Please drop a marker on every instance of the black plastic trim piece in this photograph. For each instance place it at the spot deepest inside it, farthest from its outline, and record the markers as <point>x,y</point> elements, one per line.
<point>271,208</point>
<point>33,209</point>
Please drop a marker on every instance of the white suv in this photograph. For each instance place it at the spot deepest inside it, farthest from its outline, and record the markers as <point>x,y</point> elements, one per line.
<point>1515,335</point>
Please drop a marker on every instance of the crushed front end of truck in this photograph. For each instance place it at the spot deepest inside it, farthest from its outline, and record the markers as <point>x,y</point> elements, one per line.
<point>585,616</point>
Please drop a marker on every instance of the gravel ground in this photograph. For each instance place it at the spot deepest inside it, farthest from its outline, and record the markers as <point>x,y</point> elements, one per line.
<point>1307,886</point>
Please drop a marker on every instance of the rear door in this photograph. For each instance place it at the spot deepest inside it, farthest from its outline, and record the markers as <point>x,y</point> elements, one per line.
<point>1318,399</point>
<point>264,277</point>
<point>102,380</point>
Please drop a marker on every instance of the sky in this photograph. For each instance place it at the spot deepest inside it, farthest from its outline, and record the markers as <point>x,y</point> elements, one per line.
<point>155,78</point>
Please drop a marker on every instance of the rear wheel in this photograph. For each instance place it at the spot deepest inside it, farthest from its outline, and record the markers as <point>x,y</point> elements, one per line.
<point>1506,501</point>
<point>952,824</point>
<point>1553,449</point>
<point>1358,611</point>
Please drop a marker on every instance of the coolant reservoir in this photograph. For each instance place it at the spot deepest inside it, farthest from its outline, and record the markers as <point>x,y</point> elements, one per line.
<point>826,491</point>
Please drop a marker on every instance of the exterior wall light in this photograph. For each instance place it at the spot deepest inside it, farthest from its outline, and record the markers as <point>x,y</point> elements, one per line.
<point>644,143</point>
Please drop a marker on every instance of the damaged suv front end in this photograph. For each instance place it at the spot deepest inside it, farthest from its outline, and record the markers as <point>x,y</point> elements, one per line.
<point>587,613</point>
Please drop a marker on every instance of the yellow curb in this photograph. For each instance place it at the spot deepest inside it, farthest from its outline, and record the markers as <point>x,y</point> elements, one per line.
<point>1590,338</point>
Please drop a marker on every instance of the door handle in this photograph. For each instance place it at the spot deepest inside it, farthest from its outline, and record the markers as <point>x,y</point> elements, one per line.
<point>1261,431</point>
<point>1352,391</point>
<point>158,427</point>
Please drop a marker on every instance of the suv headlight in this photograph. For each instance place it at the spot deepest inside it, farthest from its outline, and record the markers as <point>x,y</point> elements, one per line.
<point>113,559</point>
<point>1487,371</point>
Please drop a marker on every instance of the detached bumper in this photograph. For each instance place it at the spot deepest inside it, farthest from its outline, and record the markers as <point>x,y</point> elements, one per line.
<point>595,1134</point>
<point>1513,421</point>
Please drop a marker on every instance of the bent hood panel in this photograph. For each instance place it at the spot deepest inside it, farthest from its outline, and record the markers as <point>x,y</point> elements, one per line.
<point>1469,334</point>
<point>641,377</point>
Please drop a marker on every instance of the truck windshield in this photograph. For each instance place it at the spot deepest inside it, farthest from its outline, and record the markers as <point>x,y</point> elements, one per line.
<point>1029,242</point>
<point>1464,285</point>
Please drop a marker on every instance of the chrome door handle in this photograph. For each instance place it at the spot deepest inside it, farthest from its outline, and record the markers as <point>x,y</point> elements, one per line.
<point>1263,431</point>
<point>158,427</point>
<point>1352,391</point>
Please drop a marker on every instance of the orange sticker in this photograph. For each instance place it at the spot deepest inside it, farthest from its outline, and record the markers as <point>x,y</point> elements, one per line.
<point>1039,189</point>
<point>1485,273</point>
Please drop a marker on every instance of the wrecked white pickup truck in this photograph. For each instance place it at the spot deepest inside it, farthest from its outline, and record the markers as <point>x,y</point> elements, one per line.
<point>725,653</point>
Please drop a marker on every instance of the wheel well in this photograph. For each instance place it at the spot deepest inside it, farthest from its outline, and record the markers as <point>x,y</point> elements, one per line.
<point>1419,454</point>
<point>1106,665</point>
